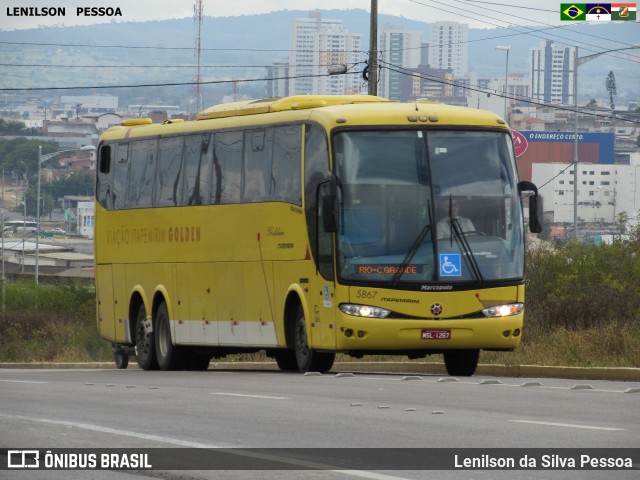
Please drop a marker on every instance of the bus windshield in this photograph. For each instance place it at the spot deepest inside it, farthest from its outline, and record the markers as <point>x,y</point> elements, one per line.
<point>427,207</point>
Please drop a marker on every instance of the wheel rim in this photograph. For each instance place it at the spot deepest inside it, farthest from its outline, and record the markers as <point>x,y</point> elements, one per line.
<point>143,343</point>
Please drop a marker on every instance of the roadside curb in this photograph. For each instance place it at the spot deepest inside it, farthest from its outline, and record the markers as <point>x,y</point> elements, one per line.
<point>530,371</point>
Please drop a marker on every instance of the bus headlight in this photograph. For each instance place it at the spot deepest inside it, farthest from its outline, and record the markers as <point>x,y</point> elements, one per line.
<point>503,310</point>
<point>364,310</point>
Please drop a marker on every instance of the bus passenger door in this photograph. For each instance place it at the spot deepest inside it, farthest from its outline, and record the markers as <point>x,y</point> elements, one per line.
<point>323,303</point>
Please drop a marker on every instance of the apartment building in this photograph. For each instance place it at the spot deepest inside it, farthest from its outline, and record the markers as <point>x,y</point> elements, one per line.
<point>551,70</point>
<point>317,43</point>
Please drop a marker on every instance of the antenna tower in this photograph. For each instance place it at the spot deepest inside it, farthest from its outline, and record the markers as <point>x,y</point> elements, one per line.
<point>197,17</point>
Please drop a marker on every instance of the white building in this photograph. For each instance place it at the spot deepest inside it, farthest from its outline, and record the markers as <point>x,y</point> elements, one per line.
<point>604,191</point>
<point>397,49</point>
<point>316,44</point>
<point>551,70</point>
<point>85,219</point>
<point>448,47</point>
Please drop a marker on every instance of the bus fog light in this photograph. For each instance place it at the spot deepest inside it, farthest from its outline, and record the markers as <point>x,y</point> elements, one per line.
<point>503,310</point>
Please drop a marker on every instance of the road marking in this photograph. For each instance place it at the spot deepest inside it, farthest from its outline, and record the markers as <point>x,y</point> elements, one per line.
<point>569,425</point>
<point>21,381</point>
<point>186,443</point>
<point>248,396</point>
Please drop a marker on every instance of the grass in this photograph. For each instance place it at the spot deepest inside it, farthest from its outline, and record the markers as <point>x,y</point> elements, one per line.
<point>56,323</point>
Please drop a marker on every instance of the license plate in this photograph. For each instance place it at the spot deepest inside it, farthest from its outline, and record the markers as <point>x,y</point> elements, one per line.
<point>435,334</point>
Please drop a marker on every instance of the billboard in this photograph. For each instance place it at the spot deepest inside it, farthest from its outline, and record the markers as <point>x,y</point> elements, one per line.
<point>557,147</point>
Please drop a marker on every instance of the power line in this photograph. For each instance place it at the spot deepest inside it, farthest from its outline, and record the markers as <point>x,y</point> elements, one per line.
<point>532,32</point>
<point>46,65</point>
<point>520,98</point>
<point>171,84</point>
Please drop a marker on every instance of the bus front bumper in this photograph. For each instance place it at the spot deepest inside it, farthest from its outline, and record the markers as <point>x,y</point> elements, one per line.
<point>375,334</point>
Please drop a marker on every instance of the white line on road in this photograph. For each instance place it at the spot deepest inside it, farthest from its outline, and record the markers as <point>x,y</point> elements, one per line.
<point>248,396</point>
<point>21,381</point>
<point>568,425</point>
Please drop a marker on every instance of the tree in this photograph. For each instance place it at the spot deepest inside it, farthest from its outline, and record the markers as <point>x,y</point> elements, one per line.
<point>610,85</point>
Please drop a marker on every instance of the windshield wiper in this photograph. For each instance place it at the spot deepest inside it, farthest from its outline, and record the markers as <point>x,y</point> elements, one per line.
<point>461,240</point>
<point>413,249</point>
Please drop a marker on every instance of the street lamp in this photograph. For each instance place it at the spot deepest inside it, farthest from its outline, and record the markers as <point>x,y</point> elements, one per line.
<point>506,48</point>
<point>44,158</point>
<point>577,62</point>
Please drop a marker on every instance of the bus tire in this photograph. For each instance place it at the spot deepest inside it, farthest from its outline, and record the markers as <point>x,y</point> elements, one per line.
<point>286,360</point>
<point>145,342</point>
<point>308,359</point>
<point>169,356</point>
<point>462,363</point>
<point>122,360</point>
<point>198,362</point>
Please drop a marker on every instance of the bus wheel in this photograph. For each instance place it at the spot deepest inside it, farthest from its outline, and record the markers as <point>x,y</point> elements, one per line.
<point>309,360</point>
<point>145,343</point>
<point>122,360</point>
<point>461,363</point>
<point>170,356</point>
<point>286,360</point>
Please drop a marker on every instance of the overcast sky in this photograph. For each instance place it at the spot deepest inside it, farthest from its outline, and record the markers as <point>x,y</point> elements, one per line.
<point>478,14</point>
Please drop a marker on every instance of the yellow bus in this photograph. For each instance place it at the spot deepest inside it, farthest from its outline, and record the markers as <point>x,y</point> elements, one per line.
<point>307,226</point>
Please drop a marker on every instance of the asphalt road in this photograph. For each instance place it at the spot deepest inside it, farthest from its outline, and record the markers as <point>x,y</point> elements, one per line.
<point>107,408</point>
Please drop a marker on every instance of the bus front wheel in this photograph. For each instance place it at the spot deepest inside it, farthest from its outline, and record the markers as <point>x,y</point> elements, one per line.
<point>145,342</point>
<point>461,363</point>
<point>287,360</point>
<point>308,359</point>
<point>170,356</point>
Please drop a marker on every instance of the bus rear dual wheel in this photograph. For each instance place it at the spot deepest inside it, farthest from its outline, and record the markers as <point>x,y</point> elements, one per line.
<point>155,349</point>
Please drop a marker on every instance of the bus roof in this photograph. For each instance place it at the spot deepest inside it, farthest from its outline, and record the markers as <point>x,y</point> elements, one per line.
<point>330,110</point>
<point>297,102</point>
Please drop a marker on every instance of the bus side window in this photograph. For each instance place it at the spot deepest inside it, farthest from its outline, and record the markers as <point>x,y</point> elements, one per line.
<point>104,179</point>
<point>105,159</point>
<point>228,160</point>
<point>256,174</point>
<point>285,174</point>
<point>196,171</point>
<point>170,163</point>
<point>142,174</point>
<point>325,239</point>
<point>120,177</point>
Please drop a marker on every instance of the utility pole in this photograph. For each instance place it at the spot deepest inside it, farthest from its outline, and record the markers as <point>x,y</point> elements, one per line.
<point>373,49</point>
<point>197,17</point>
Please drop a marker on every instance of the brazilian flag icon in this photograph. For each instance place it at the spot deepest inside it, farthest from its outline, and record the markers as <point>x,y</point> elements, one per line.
<point>573,11</point>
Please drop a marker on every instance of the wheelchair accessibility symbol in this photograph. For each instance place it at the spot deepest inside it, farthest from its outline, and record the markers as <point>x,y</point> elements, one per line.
<point>450,265</point>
